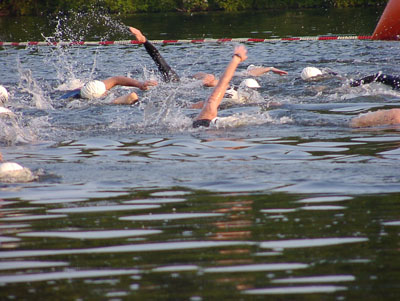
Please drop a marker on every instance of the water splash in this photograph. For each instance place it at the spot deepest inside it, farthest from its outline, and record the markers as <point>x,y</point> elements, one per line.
<point>74,66</point>
<point>12,132</point>
<point>77,26</point>
<point>29,85</point>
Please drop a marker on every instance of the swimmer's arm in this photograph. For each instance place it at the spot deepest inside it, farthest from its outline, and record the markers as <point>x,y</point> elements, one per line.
<point>381,117</point>
<point>365,80</point>
<point>126,99</point>
<point>261,70</point>
<point>207,79</point>
<point>127,81</point>
<point>197,105</point>
<point>210,108</point>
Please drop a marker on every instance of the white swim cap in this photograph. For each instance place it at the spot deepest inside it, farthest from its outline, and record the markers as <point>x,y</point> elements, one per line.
<point>3,94</point>
<point>93,89</point>
<point>310,72</point>
<point>11,172</point>
<point>10,167</point>
<point>250,83</point>
<point>6,111</point>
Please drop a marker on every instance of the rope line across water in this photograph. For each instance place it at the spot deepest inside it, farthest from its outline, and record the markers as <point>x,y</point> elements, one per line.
<point>125,42</point>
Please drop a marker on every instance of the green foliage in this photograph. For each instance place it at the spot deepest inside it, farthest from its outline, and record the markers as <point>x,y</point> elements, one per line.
<point>193,5</point>
<point>37,7</point>
<point>352,3</point>
<point>234,5</point>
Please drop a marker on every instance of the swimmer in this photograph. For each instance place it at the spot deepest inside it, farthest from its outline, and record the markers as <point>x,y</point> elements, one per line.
<point>3,95</point>
<point>11,172</point>
<point>208,80</point>
<point>97,89</point>
<point>380,117</point>
<point>3,99</point>
<point>313,73</point>
<point>210,108</point>
<point>310,73</point>
<point>246,92</point>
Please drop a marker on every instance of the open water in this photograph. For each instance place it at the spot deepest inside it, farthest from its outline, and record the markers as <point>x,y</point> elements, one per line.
<point>131,203</point>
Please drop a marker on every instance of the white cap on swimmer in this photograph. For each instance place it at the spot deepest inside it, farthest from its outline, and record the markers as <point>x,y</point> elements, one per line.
<point>310,72</point>
<point>250,83</point>
<point>3,94</point>
<point>10,167</point>
<point>5,111</point>
<point>11,172</point>
<point>93,89</point>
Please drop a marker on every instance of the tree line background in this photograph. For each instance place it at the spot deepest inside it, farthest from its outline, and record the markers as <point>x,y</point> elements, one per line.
<point>43,7</point>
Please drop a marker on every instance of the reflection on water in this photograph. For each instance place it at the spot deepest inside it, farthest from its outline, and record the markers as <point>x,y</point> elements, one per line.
<point>133,203</point>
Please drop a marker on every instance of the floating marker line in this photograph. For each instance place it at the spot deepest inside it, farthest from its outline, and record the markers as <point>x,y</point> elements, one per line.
<point>224,40</point>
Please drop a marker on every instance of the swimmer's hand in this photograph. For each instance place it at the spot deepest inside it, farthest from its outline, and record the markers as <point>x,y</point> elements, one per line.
<point>148,83</point>
<point>240,52</point>
<point>138,34</point>
<point>278,71</point>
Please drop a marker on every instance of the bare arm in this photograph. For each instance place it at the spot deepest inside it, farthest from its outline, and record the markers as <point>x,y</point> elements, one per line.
<point>127,99</point>
<point>257,71</point>
<point>210,108</point>
<point>381,117</point>
<point>207,79</point>
<point>129,82</point>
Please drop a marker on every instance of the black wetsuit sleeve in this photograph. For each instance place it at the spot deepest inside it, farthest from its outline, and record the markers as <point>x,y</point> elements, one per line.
<point>390,80</point>
<point>166,71</point>
<point>201,122</point>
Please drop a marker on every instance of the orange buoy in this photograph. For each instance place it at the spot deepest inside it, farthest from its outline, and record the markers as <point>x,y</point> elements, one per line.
<point>388,27</point>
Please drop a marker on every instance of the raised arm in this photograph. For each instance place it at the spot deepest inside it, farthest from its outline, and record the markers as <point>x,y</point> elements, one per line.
<point>166,71</point>
<point>210,108</point>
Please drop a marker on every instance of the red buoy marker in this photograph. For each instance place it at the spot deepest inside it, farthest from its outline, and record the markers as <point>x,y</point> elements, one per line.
<point>388,27</point>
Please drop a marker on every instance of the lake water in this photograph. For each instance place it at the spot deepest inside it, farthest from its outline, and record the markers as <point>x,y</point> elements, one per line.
<point>284,202</point>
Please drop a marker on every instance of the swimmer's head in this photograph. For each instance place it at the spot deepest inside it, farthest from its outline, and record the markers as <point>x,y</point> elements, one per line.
<point>250,83</point>
<point>3,95</point>
<point>232,93</point>
<point>9,167</point>
<point>4,111</point>
<point>93,89</point>
<point>310,72</point>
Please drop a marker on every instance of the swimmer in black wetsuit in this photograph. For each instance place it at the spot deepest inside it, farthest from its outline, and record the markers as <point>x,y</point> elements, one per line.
<point>390,80</point>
